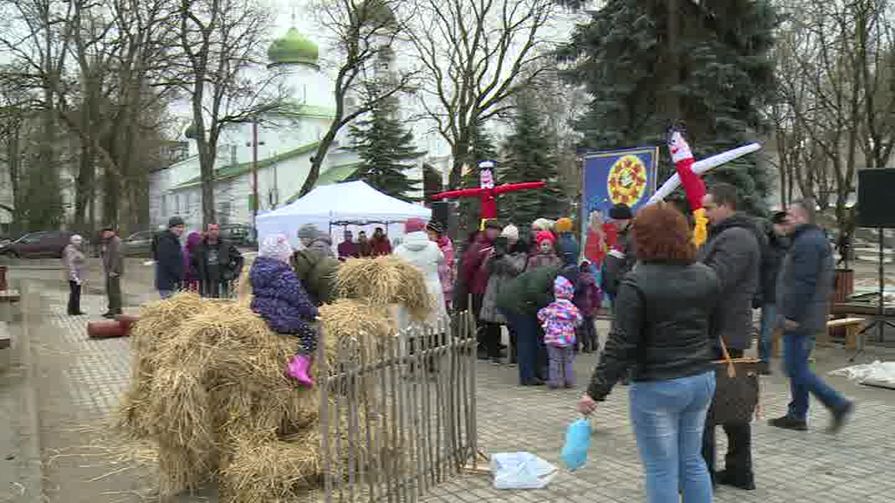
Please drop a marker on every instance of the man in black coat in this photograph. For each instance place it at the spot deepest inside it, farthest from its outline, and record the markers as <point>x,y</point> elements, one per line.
<point>217,263</point>
<point>803,295</point>
<point>766,299</point>
<point>169,259</point>
<point>733,251</point>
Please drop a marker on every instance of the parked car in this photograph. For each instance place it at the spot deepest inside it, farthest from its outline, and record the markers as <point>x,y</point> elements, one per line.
<point>139,244</point>
<point>239,234</point>
<point>38,244</point>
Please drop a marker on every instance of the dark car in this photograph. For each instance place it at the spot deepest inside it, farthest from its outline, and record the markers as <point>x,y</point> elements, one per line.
<point>239,234</point>
<point>38,244</point>
<point>139,244</point>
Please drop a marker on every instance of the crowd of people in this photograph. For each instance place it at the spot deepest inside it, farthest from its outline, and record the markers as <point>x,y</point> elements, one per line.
<point>676,310</point>
<point>680,309</point>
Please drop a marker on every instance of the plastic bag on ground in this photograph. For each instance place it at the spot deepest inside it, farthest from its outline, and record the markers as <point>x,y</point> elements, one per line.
<point>574,451</point>
<point>520,470</point>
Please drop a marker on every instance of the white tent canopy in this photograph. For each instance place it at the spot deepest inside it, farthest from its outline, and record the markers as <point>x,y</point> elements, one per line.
<point>349,202</point>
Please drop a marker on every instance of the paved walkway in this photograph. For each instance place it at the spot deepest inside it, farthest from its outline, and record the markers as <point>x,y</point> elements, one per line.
<point>75,383</point>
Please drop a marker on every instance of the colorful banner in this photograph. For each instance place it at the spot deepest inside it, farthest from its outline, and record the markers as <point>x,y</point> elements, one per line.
<point>621,176</point>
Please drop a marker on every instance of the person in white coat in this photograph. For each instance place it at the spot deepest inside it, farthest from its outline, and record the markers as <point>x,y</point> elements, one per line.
<point>426,256</point>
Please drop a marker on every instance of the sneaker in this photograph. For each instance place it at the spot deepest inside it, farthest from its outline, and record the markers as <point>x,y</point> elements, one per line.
<point>496,361</point>
<point>789,423</point>
<point>534,382</point>
<point>109,315</point>
<point>726,478</point>
<point>840,417</point>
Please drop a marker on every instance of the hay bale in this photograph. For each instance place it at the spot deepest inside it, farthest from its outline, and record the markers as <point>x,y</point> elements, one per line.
<point>385,281</point>
<point>210,392</point>
<point>266,469</point>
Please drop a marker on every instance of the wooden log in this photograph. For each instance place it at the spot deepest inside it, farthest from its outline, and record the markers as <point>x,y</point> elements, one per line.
<point>105,329</point>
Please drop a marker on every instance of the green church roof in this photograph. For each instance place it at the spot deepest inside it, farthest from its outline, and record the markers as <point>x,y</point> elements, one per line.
<point>294,48</point>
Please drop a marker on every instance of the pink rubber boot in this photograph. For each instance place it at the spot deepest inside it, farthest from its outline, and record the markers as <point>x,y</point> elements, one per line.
<point>299,368</point>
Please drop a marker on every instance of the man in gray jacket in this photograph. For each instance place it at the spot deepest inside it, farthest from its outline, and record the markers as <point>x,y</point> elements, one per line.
<point>733,251</point>
<point>113,266</point>
<point>803,291</point>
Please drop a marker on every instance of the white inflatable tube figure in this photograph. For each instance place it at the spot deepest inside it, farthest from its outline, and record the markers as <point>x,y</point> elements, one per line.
<point>701,167</point>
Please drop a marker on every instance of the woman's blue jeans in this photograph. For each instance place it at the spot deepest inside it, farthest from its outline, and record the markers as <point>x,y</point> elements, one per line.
<point>669,418</point>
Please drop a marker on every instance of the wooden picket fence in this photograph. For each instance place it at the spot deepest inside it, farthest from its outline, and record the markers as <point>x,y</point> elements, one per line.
<point>399,418</point>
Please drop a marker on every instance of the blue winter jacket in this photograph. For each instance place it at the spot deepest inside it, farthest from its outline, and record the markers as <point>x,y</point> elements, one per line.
<point>279,297</point>
<point>806,280</point>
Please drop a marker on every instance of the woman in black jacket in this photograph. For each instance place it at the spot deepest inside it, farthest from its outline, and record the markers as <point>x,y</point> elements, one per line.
<point>661,334</point>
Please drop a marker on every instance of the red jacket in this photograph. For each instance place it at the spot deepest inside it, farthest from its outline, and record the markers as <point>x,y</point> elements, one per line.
<point>381,246</point>
<point>475,274</point>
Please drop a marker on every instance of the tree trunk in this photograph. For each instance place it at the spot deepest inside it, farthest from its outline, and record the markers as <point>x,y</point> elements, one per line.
<point>317,161</point>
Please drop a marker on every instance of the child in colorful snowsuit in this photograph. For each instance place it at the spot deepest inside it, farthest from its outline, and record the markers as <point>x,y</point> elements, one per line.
<point>280,298</point>
<point>559,319</point>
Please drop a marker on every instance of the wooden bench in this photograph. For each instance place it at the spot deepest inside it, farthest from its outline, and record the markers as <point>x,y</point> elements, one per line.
<point>852,327</point>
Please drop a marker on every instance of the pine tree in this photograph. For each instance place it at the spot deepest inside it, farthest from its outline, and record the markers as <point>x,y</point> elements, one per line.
<point>716,77</point>
<point>528,155</point>
<point>385,146</point>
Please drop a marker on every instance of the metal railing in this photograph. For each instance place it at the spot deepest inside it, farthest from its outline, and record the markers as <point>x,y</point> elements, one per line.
<point>397,415</point>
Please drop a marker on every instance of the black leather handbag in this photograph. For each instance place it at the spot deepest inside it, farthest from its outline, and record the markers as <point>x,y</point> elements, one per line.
<point>736,389</point>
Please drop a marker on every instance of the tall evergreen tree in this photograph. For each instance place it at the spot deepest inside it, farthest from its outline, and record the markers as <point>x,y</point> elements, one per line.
<point>385,147</point>
<point>528,155</point>
<point>706,63</point>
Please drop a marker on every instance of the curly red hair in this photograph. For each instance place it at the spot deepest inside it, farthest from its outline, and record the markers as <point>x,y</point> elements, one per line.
<point>661,234</point>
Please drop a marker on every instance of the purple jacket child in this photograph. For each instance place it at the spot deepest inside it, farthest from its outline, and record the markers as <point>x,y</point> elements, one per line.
<point>281,300</point>
<point>190,276</point>
<point>279,297</point>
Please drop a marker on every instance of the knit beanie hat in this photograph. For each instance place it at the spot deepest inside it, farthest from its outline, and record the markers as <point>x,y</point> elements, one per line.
<point>562,288</point>
<point>542,236</point>
<point>563,225</point>
<point>621,211</point>
<point>510,232</point>
<point>414,225</point>
<point>175,222</point>
<point>276,247</point>
<point>542,224</point>
<point>308,231</point>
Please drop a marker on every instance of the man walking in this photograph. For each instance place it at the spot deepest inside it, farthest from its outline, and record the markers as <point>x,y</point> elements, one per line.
<point>217,263</point>
<point>804,286</point>
<point>113,267</point>
<point>169,259</point>
<point>733,251</point>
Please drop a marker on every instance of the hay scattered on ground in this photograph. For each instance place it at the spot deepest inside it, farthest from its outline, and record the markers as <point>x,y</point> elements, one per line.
<point>386,281</point>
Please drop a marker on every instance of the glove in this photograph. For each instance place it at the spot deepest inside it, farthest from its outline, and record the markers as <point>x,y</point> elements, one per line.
<point>299,369</point>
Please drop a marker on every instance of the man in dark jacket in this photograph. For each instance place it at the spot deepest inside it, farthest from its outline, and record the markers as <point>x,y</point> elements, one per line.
<point>113,267</point>
<point>772,258</point>
<point>475,275</point>
<point>803,292</point>
<point>733,251</point>
<point>519,302</point>
<point>622,257</point>
<point>169,259</point>
<point>217,263</point>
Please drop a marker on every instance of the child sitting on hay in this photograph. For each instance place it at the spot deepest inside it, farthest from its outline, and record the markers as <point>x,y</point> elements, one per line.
<point>281,300</point>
